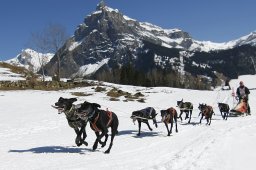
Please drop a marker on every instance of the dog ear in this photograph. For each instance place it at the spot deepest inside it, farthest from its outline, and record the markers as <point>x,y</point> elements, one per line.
<point>96,105</point>
<point>73,100</point>
<point>85,102</point>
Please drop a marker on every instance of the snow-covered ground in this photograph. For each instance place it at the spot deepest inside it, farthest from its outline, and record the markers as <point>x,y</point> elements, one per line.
<point>7,75</point>
<point>34,136</point>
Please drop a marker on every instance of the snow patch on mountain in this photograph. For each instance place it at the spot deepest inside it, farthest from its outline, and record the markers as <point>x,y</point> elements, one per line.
<point>247,39</point>
<point>74,45</point>
<point>90,68</point>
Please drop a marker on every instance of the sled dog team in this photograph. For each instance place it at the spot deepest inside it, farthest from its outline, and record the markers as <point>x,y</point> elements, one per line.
<point>100,120</point>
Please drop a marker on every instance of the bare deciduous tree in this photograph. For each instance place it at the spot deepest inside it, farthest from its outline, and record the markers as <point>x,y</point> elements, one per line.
<point>51,39</point>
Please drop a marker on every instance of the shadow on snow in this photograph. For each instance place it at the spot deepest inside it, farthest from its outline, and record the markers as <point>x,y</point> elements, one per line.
<point>135,132</point>
<point>52,149</point>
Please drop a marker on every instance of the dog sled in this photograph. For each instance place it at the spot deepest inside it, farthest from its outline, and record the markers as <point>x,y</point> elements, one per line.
<point>242,108</point>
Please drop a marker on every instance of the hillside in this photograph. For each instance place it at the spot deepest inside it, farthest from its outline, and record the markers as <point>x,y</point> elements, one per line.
<point>9,72</point>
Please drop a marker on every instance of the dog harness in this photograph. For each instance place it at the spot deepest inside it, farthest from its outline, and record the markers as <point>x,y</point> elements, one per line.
<point>110,117</point>
<point>94,126</point>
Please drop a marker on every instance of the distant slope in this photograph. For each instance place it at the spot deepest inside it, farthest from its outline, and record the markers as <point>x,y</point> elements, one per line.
<point>249,81</point>
<point>11,73</point>
<point>30,59</point>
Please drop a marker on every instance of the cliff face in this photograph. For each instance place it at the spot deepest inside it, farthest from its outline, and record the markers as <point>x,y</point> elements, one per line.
<point>108,39</point>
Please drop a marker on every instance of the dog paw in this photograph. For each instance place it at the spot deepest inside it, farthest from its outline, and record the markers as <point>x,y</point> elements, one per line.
<point>85,143</point>
<point>103,144</point>
<point>107,152</point>
<point>94,147</point>
<point>78,144</point>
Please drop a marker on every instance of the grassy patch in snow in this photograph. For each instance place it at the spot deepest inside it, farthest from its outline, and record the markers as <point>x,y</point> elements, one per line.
<point>100,89</point>
<point>81,94</point>
<point>15,69</point>
<point>116,93</point>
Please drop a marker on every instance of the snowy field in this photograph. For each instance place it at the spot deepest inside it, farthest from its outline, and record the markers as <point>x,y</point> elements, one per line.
<point>33,136</point>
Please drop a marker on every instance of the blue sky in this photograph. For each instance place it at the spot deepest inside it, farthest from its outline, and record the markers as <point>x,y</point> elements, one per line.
<point>214,20</point>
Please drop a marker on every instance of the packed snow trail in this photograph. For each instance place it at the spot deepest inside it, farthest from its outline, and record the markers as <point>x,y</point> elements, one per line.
<point>34,136</point>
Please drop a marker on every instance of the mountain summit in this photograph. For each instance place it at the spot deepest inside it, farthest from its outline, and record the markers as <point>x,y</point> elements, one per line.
<point>107,39</point>
<point>30,59</point>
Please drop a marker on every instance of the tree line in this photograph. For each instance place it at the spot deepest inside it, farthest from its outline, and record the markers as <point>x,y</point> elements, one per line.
<point>129,75</point>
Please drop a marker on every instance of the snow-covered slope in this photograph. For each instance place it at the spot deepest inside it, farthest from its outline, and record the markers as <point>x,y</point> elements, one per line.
<point>7,75</point>
<point>90,68</point>
<point>249,81</point>
<point>30,59</point>
<point>34,136</point>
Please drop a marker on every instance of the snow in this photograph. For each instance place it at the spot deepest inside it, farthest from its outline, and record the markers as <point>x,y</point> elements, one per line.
<point>166,45</point>
<point>150,27</point>
<point>128,18</point>
<point>111,9</point>
<point>171,31</point>
<point>97,12</point>
<point>209,46</point>
<point>196,45</point>
<point>7,75</point>
<point>249,81</point>
<point>90,68</point>
<point>34,136</point>
<point>74,45</point>
<point>30,59</point>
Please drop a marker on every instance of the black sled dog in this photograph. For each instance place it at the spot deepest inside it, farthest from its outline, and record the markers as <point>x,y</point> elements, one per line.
<point>224,110</point>
<point>143,116</point>
<point>66,106</point>
<point>100,121</point>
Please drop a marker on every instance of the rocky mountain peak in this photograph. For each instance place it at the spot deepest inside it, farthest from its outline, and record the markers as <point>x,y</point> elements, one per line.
<point>101,5</point>
<point>108,39</point>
